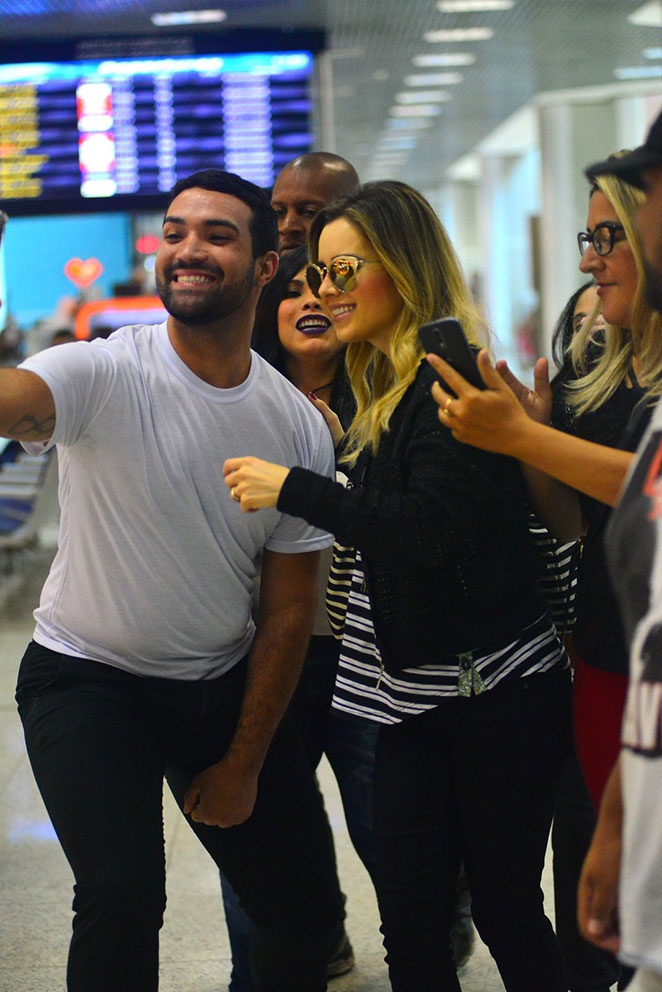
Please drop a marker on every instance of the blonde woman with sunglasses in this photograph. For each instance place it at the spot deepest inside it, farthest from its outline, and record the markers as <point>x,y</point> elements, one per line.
<point>447,644</point>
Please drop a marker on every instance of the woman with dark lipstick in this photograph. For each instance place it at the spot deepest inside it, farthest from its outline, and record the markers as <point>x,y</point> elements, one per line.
<point>295,335</point>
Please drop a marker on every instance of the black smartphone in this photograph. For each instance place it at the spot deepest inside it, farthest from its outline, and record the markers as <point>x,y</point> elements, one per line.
<point>446,338</point>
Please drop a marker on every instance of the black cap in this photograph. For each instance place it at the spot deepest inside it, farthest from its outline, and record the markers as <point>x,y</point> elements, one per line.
<point>629,167</point>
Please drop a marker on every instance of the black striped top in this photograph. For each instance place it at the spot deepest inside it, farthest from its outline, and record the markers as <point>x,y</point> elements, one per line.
<point>364,688</point>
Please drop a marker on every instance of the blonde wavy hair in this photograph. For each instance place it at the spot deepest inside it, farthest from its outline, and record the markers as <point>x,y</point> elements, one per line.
<point>643,339</point>
<point>413,247</point>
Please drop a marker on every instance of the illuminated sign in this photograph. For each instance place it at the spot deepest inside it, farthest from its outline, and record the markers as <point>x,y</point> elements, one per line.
<point>124,128</point>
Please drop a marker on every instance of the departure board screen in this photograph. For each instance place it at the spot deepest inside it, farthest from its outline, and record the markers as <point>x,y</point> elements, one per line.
<point>106,133</point>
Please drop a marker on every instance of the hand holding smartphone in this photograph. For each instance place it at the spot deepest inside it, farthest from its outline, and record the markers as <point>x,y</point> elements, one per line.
<point>446,338</point>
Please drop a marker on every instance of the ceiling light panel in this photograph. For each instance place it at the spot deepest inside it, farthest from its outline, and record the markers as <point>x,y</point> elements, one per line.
<point>473,6</point>
<point>639,72</point>
<point>442,59</point>
<point>408,124</point>
<point>422,96</point>
<point>177,17</point>
<point>459,34</point>
<point>434,79</point>
<point>418,110</point>
<point>396,143</point>
<point>649,15</point>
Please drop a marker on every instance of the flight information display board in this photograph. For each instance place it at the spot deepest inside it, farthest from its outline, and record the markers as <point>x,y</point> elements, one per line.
<point>106,133</point>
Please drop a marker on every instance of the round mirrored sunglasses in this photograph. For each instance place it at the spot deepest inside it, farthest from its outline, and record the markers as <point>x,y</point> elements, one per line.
<point>342,271</point>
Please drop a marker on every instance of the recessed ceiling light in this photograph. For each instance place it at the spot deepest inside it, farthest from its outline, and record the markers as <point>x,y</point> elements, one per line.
<point>433,79</point>
<point>649,15</point>
<point>393,139</point>
<point>419,110</point>
<point>653,53</point>
<point>396,141</point>
<point>459,34</point>
<point>451,58</point>
<point>639,72</point>
<point>422,96</point>
<point>471,6</point>
<point>408,124</point>
<point>169,18</point>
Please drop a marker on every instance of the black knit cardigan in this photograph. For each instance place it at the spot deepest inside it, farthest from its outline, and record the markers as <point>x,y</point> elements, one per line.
<point>442,530</point>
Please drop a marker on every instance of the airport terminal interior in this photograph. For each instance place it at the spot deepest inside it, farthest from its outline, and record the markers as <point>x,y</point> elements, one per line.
<point>492,109</point>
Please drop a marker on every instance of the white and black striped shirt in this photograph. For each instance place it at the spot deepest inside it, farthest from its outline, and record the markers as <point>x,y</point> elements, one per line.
<point>364,688</point>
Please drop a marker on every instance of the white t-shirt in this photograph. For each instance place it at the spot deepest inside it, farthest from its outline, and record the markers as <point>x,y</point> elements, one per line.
<point>155,564</point>
<point>635,557</point>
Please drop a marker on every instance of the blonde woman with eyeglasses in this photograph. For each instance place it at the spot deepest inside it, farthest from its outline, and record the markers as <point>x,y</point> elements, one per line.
<point>447,645</point>
<point>601,405</point>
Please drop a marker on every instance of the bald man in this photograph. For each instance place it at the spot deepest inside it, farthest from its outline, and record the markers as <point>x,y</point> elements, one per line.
<point>303,187</point>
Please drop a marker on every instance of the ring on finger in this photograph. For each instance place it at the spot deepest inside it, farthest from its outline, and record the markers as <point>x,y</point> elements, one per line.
<point>235,496</point>
<point>447,406</point>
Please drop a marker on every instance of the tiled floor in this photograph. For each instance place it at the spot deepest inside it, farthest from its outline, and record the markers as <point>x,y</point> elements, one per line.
<point>35,879</point>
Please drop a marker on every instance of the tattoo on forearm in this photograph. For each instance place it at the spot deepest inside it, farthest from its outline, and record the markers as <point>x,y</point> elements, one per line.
<point>29,425</point>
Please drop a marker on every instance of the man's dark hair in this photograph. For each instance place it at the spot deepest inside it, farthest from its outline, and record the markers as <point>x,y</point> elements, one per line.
<point>264,223</point>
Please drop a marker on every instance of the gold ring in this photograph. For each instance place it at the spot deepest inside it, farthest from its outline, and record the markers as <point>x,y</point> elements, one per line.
<point>447,405</point>
<point>233,493</point>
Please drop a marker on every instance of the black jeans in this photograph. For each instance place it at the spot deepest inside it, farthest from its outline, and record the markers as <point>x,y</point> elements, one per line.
<point>100,741</point>
<point>349,744</point>
<point>588,969</point>
<point>474,779</point>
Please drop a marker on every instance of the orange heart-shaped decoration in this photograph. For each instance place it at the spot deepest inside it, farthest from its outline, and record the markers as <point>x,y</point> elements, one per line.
<point>83,273</point>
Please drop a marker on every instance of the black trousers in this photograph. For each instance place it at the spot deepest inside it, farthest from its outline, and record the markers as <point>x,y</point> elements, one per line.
<point>474,780</point>
<point>100,741</point>
<point>588,969</point>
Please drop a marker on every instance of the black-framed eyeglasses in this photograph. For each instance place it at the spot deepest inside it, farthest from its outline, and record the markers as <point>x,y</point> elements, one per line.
<point>342,271</point>
<point>603,238</point>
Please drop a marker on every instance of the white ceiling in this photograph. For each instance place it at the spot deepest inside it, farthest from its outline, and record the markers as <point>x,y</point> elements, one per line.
<point>537,46</point>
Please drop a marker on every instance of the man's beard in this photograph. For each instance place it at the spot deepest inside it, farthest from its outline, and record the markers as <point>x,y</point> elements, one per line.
<point>201,308</point>
<point>653,286</point>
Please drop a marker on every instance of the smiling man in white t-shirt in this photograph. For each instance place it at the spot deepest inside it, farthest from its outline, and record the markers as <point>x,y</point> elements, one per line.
<point>145,661</point>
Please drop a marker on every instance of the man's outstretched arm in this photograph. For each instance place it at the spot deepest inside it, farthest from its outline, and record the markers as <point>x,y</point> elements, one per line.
<point>224,794</point>
<point>27,410</point>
